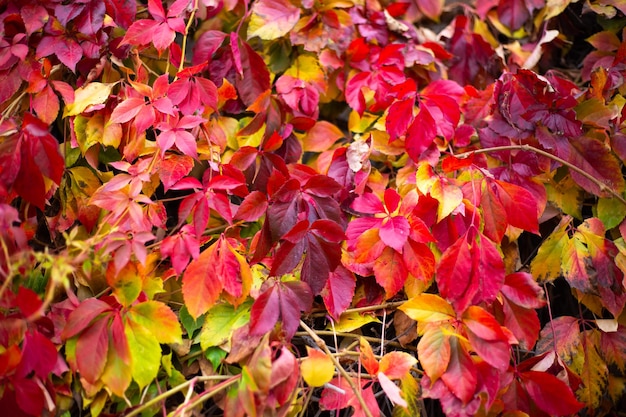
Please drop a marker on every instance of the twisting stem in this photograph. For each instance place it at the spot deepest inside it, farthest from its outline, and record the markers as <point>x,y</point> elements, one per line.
<point>322,345</point>
<point>600,184</point>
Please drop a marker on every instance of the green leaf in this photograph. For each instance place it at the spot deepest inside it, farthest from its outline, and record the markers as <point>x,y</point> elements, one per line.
<point>611,212</point>
<point>221,321</point>
<point>189,323</point>
<point>215,355</point>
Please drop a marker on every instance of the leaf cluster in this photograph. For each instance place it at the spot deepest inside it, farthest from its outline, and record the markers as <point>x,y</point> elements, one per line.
<point>287,207</point>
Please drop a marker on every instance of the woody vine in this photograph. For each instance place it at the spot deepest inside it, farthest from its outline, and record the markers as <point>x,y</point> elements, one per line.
<point>285,207</point>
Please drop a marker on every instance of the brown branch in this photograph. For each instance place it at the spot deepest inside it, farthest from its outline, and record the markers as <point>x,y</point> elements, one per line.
<point>599,183</point>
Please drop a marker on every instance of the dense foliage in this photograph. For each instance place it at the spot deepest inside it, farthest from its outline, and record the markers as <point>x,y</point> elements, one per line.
<point>281,207</point>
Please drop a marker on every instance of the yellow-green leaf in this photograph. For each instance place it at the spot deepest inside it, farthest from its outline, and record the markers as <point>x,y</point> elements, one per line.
<point>88,95</point>
<point>611,212</point>
<point>546,266</point>
<point>158,319</point>
<point>317,368</point>
<point>125,283</point>
<point>145,353</point>
<point>220,322</point>
<point>411,393</point>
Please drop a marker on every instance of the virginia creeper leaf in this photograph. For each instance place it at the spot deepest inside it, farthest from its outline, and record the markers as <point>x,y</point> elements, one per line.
<point>317,369</point>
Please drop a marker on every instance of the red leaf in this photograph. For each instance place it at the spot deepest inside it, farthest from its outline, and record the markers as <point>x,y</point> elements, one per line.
<point>91,350</point>
<point>46,105</point>
<point>550,394</point>
<point>513,13</point>
<point>487,337</point>
<point>27,301</point>
<point>38,355</point>
<point>82,316</point>
<point>338,291</point>
<point>469,275</point>
<point>285,300</point>
<point>593,157</point>
<point>265,311</point>
<point>122,11</point>
<point>461,376</point>
<point>394,232</point>
<point>421,133</point>
<point>173,168</point>
<point>522,289</point>
<point>255,79</point>
<point>454,274</point>
<point>520,205</point>
<point>419,260</point>
<point>431,8</point>
<point>28,158</point>
<point>252,207</point>
<point>522,322</point>
<point>332,399</point>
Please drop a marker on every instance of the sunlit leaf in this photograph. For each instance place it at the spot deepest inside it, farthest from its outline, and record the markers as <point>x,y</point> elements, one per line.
<point>317,369</point>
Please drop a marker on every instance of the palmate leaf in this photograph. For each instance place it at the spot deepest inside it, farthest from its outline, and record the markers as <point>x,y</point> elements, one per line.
<point>280,300</point>
<point>30,160</point>
<point>470,272</point>
<point>595,372</point>
<point>596,159</point>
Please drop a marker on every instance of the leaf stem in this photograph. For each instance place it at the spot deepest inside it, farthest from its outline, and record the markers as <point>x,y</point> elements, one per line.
<point>600,184</point>
<point>184,45</point>
<point>178,388</point>
<point>200,399</point>
<point>322,345</point>
<point>356,336</point>
<point>389,305</point>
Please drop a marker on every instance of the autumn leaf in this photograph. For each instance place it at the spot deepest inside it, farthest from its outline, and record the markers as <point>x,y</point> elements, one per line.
<point>317,369</point>
<point>271,19</point>
<point>280,300</point>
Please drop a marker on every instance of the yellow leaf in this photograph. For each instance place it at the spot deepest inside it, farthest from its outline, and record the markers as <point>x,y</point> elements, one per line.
<point>349,322</point>
<point>317,368</point>
<point>307,68</point>
<point>88,95</point>
<point>428,308</point>
<point>594,376</point>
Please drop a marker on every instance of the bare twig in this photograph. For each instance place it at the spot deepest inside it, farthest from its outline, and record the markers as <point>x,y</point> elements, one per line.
<point>322,345</point>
